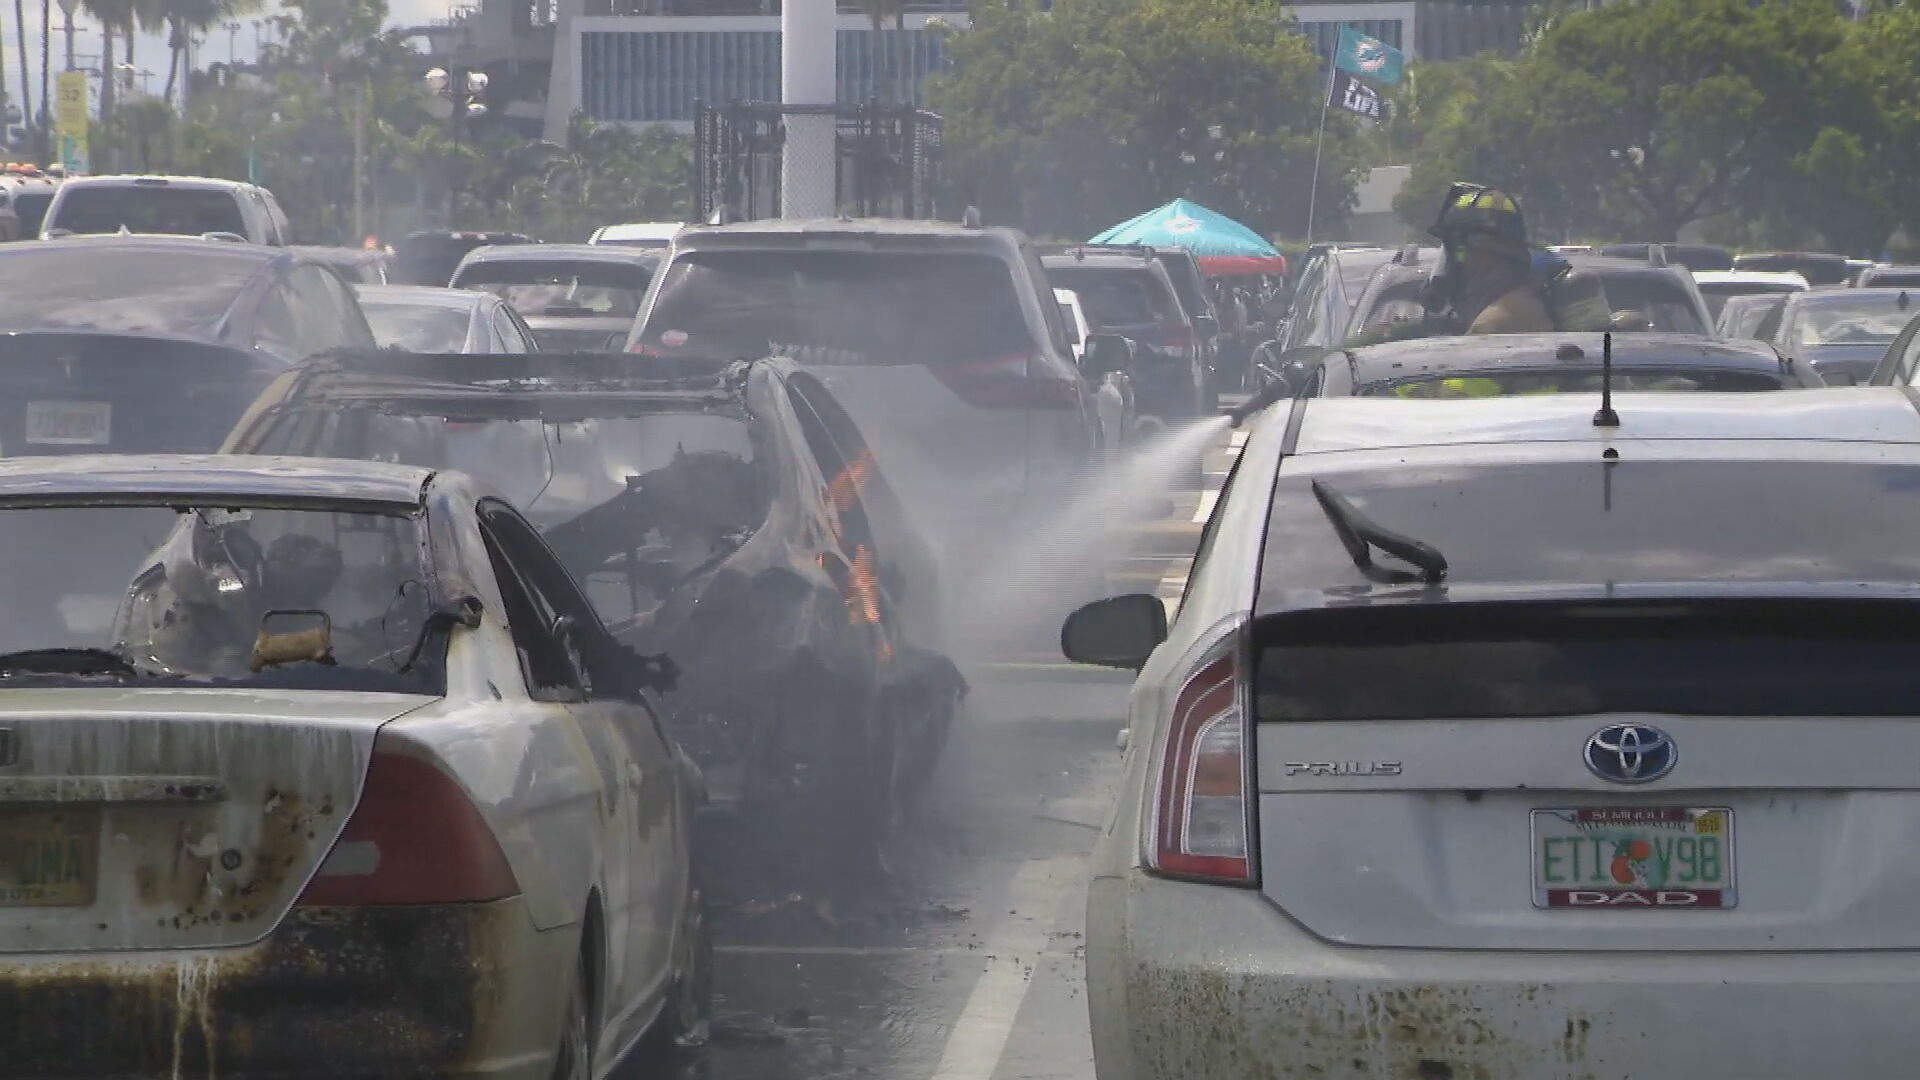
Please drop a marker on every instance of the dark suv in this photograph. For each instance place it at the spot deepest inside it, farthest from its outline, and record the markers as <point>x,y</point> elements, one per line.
<point>943,341</point>
<point>1127,291</point>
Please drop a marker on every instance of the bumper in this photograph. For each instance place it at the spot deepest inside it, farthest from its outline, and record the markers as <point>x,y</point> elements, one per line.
<point>1203,981</point>
<point>470,990</point>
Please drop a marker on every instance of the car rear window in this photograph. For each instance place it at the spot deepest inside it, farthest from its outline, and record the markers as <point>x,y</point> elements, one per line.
<point>1857,319</point>
<point>1661,297</point>
<point>839,307</point>
<point>1117,296</point>
<point>1600,523</point>
<point>1187,284</point>
<point>177,210</point>
<point>560,288</point>
<point>1457,661</point>
<point>183,290</point>
<point>417,328</point>
<point>1469,384</point>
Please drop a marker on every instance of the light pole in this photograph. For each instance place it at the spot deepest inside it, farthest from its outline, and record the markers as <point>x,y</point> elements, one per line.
<point>456,98</point>
<point>233,34</point>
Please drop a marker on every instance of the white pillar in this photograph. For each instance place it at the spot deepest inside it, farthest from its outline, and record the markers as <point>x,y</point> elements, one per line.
<point>808,52</point>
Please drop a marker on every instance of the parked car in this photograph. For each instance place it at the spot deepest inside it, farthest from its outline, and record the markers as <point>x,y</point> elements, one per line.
<point>652,235</point>
<point>575,297</point>
<point>1716,286</point>
<point>1330,285</point>
<point>1129,293</point>
<point>1114,398</point>
<point>1196,299</point>
<point>734,520</point>
<point>350,779</point>
<point>166,205</point>
<point>1496,365</point>
<point>417,318</point>
<point>1697,258</point>
<point>154,344</point>
<point>1880,277</point>
<point>1900,364</point>
<point>1843,333</point>
<point>429,258</point>
<point>1741,316</point>
<point>28,196</point>
<point>943,342</point>
<point>1430,654</point>
<point>1819,269</point>
<point>359,266</point>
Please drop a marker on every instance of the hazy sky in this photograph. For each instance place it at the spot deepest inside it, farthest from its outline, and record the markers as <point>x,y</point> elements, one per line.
<point>150,50</point>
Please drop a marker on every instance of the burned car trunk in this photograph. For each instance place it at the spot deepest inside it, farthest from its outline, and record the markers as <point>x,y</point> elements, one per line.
<point>723,516</point>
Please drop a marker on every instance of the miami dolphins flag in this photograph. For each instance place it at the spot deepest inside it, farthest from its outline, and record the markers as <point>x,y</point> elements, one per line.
<point>1368,57</point>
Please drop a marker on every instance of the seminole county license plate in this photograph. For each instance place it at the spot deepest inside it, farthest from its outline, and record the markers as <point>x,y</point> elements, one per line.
<point>48,858</point>
<point>69,423</point>
<point>1626,857</point>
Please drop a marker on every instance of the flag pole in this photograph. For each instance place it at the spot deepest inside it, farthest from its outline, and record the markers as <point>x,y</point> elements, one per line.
<point>1326,99</point>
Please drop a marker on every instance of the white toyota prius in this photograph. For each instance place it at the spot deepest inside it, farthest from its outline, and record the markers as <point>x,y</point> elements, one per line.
<point>1493,740</point>
<point>323,768</point>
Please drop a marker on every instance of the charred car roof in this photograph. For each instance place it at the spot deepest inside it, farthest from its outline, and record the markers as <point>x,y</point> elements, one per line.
<point>106,479</point>
<point>554,385</point>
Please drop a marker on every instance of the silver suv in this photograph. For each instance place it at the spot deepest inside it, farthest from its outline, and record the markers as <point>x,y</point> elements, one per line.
<point>166,205</point>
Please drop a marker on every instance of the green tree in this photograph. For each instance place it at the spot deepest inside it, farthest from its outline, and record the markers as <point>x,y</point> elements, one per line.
<point>1070,119</point>
<point>1637,119</point>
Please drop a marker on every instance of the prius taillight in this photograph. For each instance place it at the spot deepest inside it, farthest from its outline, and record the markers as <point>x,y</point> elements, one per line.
<point>1200,809</point>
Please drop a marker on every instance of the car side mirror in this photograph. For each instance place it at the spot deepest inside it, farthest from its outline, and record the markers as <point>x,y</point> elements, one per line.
<point>1206,325</point>
<point>616,341</point>
<point>1121,631</point>
<point>1107,353</point>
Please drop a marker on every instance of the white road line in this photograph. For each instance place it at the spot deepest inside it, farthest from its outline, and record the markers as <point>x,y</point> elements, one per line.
<point>979,1036</point>
<point>1205,510</point>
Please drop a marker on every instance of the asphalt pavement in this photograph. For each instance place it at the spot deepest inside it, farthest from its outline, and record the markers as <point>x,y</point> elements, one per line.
<point>972,967</point>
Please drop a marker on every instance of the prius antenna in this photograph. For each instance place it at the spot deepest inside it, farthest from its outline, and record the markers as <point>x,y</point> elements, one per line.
<point>1606,417</point>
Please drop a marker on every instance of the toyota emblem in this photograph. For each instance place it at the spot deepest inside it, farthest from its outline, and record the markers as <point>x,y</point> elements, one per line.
<point>1631,753</point>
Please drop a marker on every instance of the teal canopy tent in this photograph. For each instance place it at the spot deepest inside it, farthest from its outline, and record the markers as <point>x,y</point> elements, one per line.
<point>1223,245</point>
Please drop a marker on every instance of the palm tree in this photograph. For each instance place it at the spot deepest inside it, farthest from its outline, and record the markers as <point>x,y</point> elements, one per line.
<point>878,11</point>
<point>112,15</point>
<point>26,83</point>
<point>46,100</point>
<point>187,17</point>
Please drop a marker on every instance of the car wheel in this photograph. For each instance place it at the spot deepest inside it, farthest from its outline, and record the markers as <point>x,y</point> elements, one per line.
<point>689,1013</point>
<point>574,1059</point>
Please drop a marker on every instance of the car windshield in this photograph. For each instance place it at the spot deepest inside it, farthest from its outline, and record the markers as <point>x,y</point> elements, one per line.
<point>1716,293</point>
<point>1868,319</point>
<point>104,285</point>
<point>838,307</point>
<point>632,503</point>
<point>149,209</point>
<point>1471,384</point>
<point>30,205</point>
<point>1117,297</point>
<point>230,595</point>
<point>418,327</point>
<point>561,289</point>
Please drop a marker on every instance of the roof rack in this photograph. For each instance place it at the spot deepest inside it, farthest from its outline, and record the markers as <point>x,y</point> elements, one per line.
<point>1408,255</point>
<point>1657,255</point>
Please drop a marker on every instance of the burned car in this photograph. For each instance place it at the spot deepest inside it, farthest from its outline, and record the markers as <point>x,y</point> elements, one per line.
<point>730,517</point>
<point>325,768</point>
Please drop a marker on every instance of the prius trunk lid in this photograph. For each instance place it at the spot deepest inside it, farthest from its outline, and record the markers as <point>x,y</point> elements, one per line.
<point>141,819</point>
<point>1604,775</point>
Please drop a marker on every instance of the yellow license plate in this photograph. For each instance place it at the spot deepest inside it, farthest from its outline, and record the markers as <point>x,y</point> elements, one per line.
<point>49,858</point>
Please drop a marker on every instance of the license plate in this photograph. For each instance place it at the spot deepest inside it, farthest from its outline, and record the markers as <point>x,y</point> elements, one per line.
<point>1633,857</point>
<point>69,423</point>
<point>48,858</point>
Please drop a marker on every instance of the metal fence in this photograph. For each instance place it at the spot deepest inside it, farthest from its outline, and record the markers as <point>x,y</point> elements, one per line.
<point>886,159</point>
